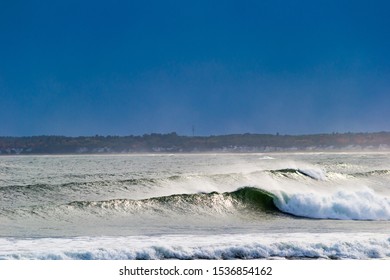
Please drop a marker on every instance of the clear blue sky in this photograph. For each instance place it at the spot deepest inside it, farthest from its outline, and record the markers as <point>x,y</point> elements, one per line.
<point>133,67</point>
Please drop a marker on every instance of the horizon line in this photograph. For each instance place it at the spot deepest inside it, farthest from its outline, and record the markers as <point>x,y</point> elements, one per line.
<point>194,136</point>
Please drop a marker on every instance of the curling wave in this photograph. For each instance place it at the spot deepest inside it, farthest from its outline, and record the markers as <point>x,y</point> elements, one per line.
<point>248,198</point>
<point>364,204</point>
<point>345,205</point>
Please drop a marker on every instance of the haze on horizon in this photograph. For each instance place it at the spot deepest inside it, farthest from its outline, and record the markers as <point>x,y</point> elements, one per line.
<point>133,67</point>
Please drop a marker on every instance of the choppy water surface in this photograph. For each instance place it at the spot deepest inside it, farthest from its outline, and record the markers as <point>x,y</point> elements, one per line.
<point>208,206</point>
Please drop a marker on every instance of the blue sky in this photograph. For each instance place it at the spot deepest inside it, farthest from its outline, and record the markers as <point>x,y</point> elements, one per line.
<point>134,67</point>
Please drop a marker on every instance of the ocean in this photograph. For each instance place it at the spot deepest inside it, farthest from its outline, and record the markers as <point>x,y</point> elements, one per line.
<point>311,205</point>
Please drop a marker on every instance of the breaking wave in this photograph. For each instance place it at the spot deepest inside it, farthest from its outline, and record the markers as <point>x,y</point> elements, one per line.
<point>310,173</point>
<point>345,205</point>
<point>247,199</point>
<point>187,247</point>
<point>363,204</point>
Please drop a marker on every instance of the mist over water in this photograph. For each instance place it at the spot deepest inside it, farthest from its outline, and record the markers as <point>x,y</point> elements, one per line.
<point>260,203</point>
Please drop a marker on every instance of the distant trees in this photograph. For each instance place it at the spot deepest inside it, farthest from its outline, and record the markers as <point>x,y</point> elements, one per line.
<point>172,142</point>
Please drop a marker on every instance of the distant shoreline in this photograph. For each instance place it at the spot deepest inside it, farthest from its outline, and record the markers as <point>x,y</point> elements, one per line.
<point>174,143</point>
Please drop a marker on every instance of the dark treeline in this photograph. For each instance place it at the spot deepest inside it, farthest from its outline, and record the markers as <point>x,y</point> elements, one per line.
<point>175,143</point>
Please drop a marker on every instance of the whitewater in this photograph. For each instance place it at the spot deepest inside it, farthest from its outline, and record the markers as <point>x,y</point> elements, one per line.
<point>317,205</point>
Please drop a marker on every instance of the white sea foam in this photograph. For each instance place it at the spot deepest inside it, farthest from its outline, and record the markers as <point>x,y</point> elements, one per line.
<point>241,246</point>
<point>363,204</point>
<point>266,158</point>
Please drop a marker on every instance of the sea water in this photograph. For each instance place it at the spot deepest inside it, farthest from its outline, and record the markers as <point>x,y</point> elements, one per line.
<point>196,206</point>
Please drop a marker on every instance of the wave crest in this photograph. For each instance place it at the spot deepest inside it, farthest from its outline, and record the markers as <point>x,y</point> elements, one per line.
<point>344,205</point>
<point>364,204</point>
